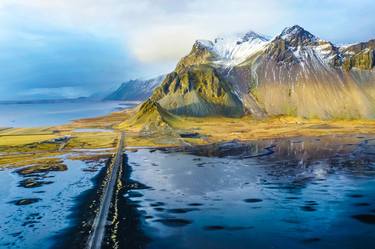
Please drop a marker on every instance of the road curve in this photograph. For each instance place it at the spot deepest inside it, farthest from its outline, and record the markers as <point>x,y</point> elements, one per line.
<point>98,227</point>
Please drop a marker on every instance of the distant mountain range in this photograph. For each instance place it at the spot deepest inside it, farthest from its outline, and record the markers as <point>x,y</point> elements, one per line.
<point>136,90</point>
<point>295,73</point>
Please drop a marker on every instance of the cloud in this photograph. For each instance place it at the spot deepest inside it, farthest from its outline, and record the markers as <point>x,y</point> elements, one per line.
<point>55,93</point>
<point>145,37</point>
<point>160,30</point>
<point>61,59</point>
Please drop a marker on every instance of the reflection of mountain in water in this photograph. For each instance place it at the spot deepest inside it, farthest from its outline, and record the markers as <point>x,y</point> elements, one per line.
<point>297,160</point>
<point>297,191</point>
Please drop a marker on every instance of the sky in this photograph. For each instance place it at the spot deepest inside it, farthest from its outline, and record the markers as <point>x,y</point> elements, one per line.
<point>74,48</point>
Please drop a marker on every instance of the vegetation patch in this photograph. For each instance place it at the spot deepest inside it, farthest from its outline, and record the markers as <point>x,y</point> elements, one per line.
<point>33,182</point>
<point>221,129</point>
<point>43,168</point>
<point>26,201</point>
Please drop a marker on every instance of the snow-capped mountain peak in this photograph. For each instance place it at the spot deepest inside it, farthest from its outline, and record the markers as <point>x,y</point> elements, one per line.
<point>251,35</point>
<point>300,46</point>
<point>294,74</point>
<point>296,35</point>
<point>233,49</point>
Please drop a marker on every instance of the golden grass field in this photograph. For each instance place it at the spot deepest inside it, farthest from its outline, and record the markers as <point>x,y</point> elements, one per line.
<point>219,129</point>
<point>25,146</point>
<point>36,146</point>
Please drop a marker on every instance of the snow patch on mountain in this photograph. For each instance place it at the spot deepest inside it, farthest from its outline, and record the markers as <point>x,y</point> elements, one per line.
<point>231,50</point>
<point>307,47</point>
<point>291,33</point>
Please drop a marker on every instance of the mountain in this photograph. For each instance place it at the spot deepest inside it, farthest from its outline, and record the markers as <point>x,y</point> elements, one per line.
<point>295,73</point>
<point>150,117</point>
<point>359,55</point>
<point>135,90</point>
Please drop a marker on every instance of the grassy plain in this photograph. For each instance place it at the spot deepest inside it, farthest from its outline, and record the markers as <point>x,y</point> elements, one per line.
<point>29,146</point>
<point>42,146</point>
<point>218,129</point>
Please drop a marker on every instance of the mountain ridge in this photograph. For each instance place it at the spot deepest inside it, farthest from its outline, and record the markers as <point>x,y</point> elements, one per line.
<point>135,90</point>
<point>296,73</point>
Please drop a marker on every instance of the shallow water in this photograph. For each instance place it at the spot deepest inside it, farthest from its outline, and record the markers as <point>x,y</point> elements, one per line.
<point>309,193</point>
<point>37,225</point>
<point>48,114</point>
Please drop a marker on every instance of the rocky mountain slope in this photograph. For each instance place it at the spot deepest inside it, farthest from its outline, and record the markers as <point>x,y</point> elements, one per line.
<point>136,90</point>
<point>295,73</point>
<point>151,117</point>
